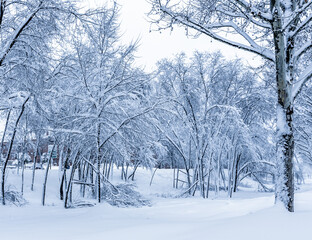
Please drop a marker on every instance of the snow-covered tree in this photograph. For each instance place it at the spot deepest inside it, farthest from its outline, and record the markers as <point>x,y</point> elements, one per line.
<point>107,96</point>
<point>277,31</point>
<point>206,119</point>
<point>29,31</point>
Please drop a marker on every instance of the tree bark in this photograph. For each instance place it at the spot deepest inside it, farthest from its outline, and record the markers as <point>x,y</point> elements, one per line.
<point>285,139</point>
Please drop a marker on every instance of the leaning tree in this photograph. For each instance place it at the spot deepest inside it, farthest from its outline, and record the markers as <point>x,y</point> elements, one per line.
<point>276,30</point>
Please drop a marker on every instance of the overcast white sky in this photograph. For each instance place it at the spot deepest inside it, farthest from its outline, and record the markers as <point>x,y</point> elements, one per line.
<point>155,45</point>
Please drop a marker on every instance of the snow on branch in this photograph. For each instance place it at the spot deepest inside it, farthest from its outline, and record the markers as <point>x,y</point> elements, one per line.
<point>17,33</point>
<point>207,30</point>
<point>255,162</point>
<point>295,15</point>
<point>71,131</point>
<point>245,16</point>
<point>126,121</point>
<point>254,11</point>
<point>303,78</point>
<point>14,100</point>
<point>301,26</point>
<point>303,49</point>
<point>231,24</point>
<point>178,148</point>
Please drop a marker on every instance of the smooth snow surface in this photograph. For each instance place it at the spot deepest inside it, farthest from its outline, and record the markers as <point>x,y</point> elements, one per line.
<point>249,215</point>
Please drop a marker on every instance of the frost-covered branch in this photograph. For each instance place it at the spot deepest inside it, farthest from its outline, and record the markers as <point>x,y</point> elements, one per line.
<point>12,40</point>
<point>295,15</point>
<point>303,78</point>
<point>207,30</point>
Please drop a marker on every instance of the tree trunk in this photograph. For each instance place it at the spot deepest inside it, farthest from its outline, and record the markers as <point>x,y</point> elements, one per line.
<point>177,179</point>
<point>98,179</point>
<point>46,177</point>
<point>208,183</point>
<point>34,164</point>
<point>285,140</point>
<point>201,177</point>
<point>23,156</point>
<point>23,164</point>
<point>236,173</point>
<point>93,182</point>
<point>86,179</point>
<point>69,186</point>
<point>3,135</point>
<point>285,152</point>
<point>134,170</point>
<point>123,172</point>
<point>63,180</point>
<point>10,149</point>
<point>62,186</point>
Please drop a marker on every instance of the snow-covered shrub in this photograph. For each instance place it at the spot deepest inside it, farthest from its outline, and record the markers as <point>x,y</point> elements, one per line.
<point>123,195</point>
<point>14,197</point>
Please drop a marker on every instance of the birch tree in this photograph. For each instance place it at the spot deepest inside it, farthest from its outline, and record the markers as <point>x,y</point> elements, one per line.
<point>275,30</point>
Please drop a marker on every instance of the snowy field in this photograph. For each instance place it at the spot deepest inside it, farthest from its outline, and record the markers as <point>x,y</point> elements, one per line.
<point>249,215</point>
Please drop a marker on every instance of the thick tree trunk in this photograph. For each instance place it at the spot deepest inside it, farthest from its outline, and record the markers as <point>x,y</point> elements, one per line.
<point>285,139</point>
<point>285,153</point>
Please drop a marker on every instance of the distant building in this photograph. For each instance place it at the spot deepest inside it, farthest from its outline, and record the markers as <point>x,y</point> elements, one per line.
<point>45,148</point>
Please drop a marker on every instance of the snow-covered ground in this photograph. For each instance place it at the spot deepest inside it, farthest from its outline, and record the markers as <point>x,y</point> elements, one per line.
<point>249,215</point>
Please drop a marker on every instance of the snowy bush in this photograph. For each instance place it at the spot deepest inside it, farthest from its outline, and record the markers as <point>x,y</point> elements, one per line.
<point>123,195</point>
<point>14,197</point>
